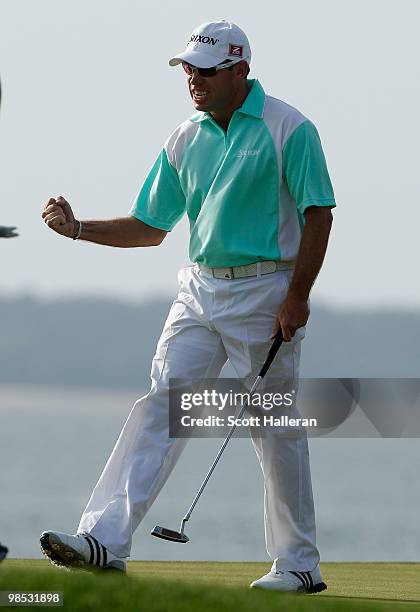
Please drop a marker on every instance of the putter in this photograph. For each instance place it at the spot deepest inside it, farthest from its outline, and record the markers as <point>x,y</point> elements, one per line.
<point>180,536</point>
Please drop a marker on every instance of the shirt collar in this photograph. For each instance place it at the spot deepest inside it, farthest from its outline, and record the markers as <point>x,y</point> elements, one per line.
<point>253,104</point>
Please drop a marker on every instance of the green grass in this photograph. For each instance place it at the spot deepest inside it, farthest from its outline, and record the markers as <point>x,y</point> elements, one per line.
<point>155,586</point>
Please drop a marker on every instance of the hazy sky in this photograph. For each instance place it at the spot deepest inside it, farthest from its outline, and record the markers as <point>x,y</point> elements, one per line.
<point>89,99</point>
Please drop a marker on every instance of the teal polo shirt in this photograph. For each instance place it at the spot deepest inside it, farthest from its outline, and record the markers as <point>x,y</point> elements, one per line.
<point>245,191</point>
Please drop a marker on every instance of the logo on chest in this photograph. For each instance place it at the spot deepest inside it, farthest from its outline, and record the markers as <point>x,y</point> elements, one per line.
<point>248,153</point>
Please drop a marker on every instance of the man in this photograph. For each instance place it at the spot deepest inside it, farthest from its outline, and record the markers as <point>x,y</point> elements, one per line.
<point>5,232</point>
<point>250,172</point>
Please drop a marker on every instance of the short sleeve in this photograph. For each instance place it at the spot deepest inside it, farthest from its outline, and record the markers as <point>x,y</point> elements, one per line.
<point>305,170</point>
<point>160,202</point>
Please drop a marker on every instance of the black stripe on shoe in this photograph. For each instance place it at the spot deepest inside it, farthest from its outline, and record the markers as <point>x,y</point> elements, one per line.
<point>311,582</point>
<point>104,555</point>
<point>304,576</point>
<point>95,548</point>
<point>302,579</point>
<point>98,551</point>
<point>92,553</point>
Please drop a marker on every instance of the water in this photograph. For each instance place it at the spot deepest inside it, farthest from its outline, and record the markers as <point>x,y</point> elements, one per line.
<point>54,443</point>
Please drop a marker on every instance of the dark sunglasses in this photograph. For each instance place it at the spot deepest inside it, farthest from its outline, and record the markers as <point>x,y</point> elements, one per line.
<point>206,72</point>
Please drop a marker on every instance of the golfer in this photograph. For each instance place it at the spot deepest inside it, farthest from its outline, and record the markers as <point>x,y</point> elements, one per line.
<point>5,232</point>
<point>249,171</point>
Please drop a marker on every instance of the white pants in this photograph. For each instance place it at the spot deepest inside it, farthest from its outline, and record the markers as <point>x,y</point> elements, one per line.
<point>210,321</point>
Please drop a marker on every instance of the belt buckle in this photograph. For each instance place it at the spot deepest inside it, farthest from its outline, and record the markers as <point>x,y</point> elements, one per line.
<point>230,274</point>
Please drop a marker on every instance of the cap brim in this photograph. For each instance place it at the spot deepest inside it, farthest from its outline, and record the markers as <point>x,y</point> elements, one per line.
<point>195,58</point>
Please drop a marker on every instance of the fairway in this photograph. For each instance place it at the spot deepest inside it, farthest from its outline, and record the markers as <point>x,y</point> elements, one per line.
<point>205,586</point>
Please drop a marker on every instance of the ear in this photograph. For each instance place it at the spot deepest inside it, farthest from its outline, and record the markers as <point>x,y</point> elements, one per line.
<point>242,69</point>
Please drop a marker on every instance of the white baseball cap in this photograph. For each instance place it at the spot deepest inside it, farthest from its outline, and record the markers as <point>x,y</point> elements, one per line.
<point>213,43</point>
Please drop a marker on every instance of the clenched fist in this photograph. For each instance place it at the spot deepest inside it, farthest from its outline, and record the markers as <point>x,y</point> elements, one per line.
<point>58,215</point>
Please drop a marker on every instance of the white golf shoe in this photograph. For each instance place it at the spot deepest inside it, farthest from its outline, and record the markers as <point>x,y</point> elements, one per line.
<point>297,582</point>
<point>81,551</point>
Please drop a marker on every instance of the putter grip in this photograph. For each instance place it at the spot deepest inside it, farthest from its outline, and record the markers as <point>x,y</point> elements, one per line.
<point>272,353</point>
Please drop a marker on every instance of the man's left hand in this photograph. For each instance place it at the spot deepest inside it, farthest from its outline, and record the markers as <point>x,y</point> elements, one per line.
<point>294,313</point>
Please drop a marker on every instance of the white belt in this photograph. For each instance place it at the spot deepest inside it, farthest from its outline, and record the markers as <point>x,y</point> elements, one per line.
<point>254,269</point>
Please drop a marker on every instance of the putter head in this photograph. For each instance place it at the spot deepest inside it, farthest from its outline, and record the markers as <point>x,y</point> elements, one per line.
<point>169,534</point>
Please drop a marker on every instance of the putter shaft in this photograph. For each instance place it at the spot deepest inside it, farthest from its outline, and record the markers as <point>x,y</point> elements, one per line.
<point>219,454</point>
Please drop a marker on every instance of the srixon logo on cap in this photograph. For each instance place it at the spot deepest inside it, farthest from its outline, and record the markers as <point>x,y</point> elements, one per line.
<point>236,50</point>
<point>207,40</point>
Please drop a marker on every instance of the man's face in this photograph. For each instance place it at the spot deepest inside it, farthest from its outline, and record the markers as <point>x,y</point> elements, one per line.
<point>215,93</point>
